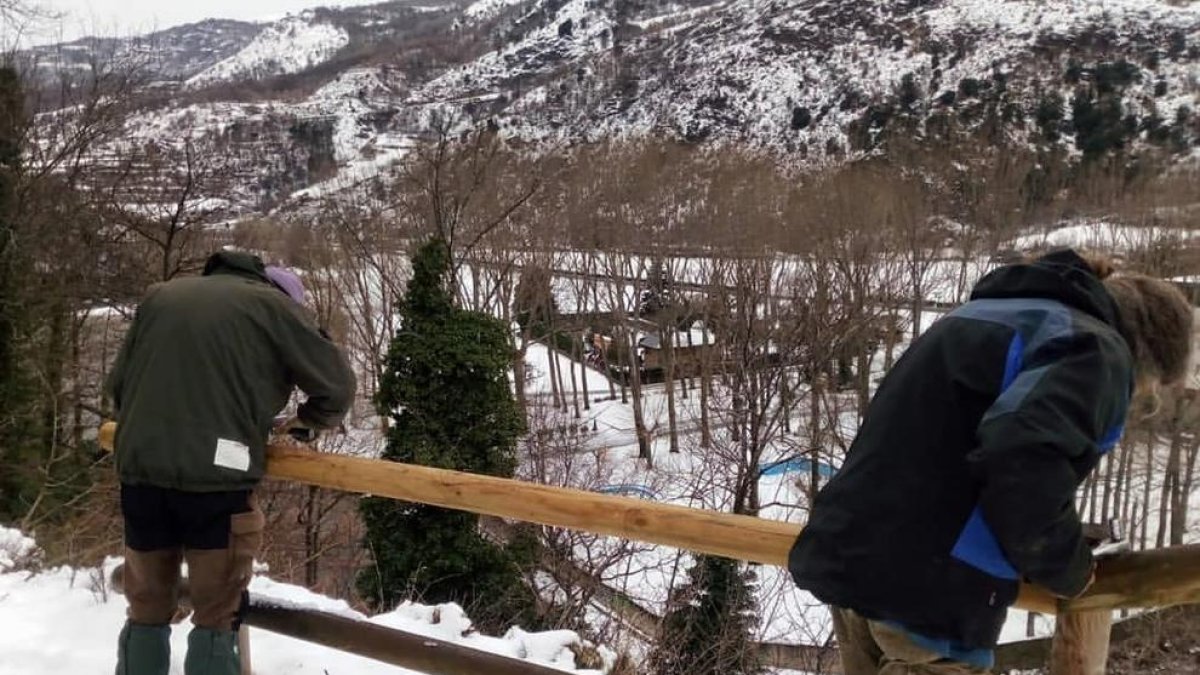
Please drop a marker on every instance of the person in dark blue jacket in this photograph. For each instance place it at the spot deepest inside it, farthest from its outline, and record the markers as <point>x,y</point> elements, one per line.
<point>961,481</point>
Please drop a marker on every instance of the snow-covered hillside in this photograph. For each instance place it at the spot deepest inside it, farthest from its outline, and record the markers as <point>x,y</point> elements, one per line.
<point>821,78</point>
<point>178,52</point>
<point>288,46</point>
<point>809,81</point>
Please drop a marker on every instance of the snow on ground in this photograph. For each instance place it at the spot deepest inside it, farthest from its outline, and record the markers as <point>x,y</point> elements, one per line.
<point>66,620</point>
<point>1101,236</point>
<point>15,549</point>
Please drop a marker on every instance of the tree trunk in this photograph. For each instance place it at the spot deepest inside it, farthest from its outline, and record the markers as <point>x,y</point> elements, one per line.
<point>77,380</point>
<point>556,394</point>
<point>583,371</point>
<point>815,439</point>
<point>917,306</point>
<point>667,335</point>
<point>574,379</point>
<point>706,392</point>
<point>519,374</point>
<point>1093,484</point>
<point>635,383</point>
<point>476,282</point>
<point>1146,487</point>
<point>864,381</point>
<point>562,389</point>
<point>1106,502</point>
<point>1119,466</point>
<point>1189,481</point>
<point>890,340</point>
<point>786,401</point>
<point>1128,451</point>
<point>312,536</point>
<point>1179,495</point>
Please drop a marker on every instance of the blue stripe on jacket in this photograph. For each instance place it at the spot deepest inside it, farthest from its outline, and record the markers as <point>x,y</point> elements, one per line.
<point>1034,323</point>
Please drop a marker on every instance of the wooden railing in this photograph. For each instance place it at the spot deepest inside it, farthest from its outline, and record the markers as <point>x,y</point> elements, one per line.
<point>1157,578</point>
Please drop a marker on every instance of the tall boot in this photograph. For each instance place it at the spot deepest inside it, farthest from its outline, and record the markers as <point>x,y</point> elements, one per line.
<point>144,649</point>
<point>212,652</point>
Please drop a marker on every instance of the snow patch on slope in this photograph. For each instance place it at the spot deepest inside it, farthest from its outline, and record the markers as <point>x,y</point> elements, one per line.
<point>578,30</point>
<point>1065,17</point>
<point>482,10</point>
<point>290,45</point>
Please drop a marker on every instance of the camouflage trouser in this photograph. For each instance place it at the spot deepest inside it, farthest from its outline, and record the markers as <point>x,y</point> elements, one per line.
<point>875,648</point>
<point>217,534</point>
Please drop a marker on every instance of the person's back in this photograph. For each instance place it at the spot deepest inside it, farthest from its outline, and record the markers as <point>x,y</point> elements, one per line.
<point>205,367</point>
<point>960,482</point>
<point>214,359</point>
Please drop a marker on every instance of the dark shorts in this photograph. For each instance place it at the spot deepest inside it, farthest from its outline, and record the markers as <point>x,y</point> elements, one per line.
<point>160,518</point>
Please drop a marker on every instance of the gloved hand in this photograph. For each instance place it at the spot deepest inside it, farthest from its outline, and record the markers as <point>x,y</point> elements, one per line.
<point>297,430</point>
<point>1109,549</point>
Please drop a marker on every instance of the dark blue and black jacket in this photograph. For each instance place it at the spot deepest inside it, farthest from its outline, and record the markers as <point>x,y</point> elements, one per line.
<point>961,481</point>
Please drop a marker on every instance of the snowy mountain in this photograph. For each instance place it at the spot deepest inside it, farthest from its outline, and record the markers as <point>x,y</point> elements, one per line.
<point>810,81</point>
<point>822,78</point>
<point>175,53</point>
<point>291,45</point>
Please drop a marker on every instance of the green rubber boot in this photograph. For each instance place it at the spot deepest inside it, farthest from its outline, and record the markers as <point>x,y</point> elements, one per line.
<point>144,649</point>
<point>212,652</point>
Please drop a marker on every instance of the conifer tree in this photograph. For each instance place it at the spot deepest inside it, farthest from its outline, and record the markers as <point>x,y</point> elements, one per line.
<point>16,394</point>
<point>710,623</point>
<point>446,388</point>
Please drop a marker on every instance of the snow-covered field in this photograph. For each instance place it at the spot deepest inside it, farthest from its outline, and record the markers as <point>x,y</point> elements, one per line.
<point>63,620</point>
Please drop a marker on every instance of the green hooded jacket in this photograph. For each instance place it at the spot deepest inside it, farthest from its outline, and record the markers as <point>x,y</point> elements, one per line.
<point>207,364</point>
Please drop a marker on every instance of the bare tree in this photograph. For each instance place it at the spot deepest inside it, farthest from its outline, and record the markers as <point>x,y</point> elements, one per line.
<point>168,197</point>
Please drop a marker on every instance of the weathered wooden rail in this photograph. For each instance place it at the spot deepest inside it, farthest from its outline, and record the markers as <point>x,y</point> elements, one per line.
<point>362,638</point>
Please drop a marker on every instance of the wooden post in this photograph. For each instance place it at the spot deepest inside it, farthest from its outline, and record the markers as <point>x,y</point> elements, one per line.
<point>1080,645</point>
<point>244,650</point>
<point>1158,578</point>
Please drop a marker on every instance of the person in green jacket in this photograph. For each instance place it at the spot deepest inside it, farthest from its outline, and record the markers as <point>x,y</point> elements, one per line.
<point>206,366</point>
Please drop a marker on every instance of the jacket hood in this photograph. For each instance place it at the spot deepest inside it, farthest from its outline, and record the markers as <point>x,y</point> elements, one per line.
<point>1061,275</point>
<point>236,262</point>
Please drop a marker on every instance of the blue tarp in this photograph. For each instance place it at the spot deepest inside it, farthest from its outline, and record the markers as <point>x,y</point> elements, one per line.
<point>629,490</point>
<point>796,465</point>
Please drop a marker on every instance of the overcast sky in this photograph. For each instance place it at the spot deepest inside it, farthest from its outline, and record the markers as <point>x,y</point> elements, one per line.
<point>127,17</point>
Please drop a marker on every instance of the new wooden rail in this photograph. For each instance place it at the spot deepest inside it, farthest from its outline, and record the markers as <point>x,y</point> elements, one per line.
<point>1157,578</point>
